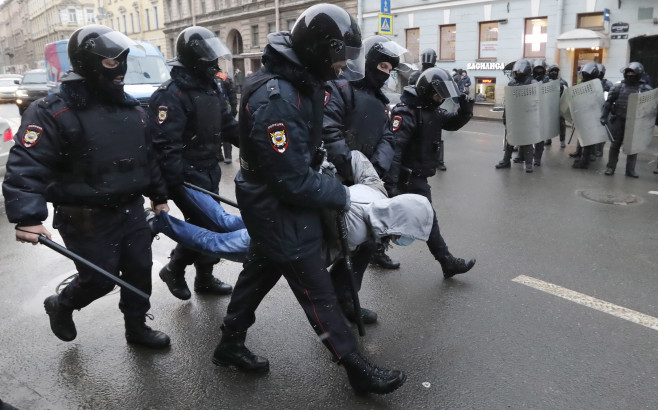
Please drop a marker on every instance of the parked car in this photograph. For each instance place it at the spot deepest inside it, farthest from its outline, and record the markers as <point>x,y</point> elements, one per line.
<point>5,145</point>
<point>8,86</point>
<point>33,86</point>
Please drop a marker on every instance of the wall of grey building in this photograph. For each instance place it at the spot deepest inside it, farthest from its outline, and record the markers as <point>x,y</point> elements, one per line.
<point>467,15</point>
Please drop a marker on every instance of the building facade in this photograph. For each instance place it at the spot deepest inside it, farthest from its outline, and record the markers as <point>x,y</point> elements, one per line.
<point>14,37</point>
<point>242,25</point>
<point>485,36</point>
<point>138,19</point>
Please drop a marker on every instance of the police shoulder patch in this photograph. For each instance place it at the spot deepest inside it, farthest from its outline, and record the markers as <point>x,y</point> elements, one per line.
<point>31,135</point>
<point>397,121</point>
<point>278,136</point>
<point>162,114</point>
<point>327,97</point>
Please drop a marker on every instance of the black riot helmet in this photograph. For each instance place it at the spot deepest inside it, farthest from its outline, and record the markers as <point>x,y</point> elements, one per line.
<point>199,50</point>
<point>89,45</point>
<point>589,72</point>
<point>522,70</point>
<point>379,49</point>
<point>324,35</point>
<point>428,57</point>
<point>538,69</point>
<point>553,72</point>
<point>436,82</point>
<point>601,68</point>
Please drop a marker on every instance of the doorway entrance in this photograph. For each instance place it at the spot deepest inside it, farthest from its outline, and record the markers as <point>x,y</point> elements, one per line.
<point>583,56</point>
<point>643,50</point>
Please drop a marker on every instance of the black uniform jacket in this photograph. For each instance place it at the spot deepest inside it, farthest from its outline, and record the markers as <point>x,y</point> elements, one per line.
<point>280,195</point>
<point>617,101</point>
<point>188,123</point>
<point>73,149</point>
<point>417,132</point>
<point>356,117</point>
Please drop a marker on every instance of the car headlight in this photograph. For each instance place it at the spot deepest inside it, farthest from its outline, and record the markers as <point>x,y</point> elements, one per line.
<point>21,93</point>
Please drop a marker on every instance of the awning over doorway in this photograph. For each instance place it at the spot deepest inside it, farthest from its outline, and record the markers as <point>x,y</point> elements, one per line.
<point>583,38</point>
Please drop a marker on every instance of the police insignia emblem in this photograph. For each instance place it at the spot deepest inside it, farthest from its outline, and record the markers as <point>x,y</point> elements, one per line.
<point>162,114</point>
<point>278,135</point>
<point>31,135</point>
<point>327,96</point>
<point>397,121</point>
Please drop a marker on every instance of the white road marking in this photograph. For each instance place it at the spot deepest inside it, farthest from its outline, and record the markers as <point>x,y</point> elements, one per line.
<point>594,303</point>
<point>653,192</point>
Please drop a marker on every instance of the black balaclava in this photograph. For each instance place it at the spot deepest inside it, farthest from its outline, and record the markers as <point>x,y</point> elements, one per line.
<point>553,74</point>
<point>520,77</point>
<point>631,79</point>
<point>538,73</point>
<point>206,71</point>
<point>374,76</point>
<point>102,79</point>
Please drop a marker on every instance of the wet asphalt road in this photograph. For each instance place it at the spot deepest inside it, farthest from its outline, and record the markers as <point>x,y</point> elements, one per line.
<point>481,341</point>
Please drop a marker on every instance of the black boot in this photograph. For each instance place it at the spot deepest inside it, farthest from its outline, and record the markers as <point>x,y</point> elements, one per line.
<point>367,316</point>
<point>231,351</point>
<point>138,333</point>
<point>368,378</point>
<point>205,282</point>
<point>61,319</point>
<point>174,277</point>
<point>381,259</point>
<point>442,165</point>
<point>453,266</point>
<point>630,166</point>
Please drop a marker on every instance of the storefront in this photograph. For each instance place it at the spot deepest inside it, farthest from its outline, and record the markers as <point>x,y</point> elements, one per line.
<point>485,89</point>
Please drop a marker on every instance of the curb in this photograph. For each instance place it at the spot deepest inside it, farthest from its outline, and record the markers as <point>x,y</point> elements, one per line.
<point>481,118</point>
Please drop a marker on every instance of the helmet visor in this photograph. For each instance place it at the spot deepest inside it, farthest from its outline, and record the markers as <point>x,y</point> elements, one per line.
<point>446,89</point>
<point>111,44</point>
<point>209,49</point>
<point>354,66</point>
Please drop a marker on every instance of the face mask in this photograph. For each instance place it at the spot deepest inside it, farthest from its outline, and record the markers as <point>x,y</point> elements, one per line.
<point>403,240</point>
<point>206,70</point>
<point>552,75</point>
<point>107,87</point>
<point>631,79</point>
<point>519,77</point>
<point>376,78</point>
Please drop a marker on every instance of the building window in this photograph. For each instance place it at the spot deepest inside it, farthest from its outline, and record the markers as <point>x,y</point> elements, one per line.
<point>155,13</point>
<point>112,24</point>
<point>488,39</point>
<point>447,42</point>
<point>216,4</point>
<point>155,16</point>
<point>536,36</point>
<point>72,17</point>
<point>90,16</point>
<point>172,47</point>
<point>139,23</point>
<point>179,7</point>
<point>217,33</point>
<point>290,24</point>
<point>485,89</point>
<point>271,27</point>
<point>148,19</point>
<point>590,21</point>
<point>413,42</point>
<point>132,23</point>
<point>203,6</point>
<point>190,7</point>
<point>118,24</point>
<point>125,26</point>
<point>254,36</point>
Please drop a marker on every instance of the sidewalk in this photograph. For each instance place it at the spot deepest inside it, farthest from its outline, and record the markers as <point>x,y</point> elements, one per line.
<point>484,112</point>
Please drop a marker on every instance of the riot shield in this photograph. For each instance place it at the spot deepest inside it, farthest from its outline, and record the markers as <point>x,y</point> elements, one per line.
<point>549,109</point>
<point>585,102</point>
<point>565,112</point>
<point>522,114</point>
<point>640,120</point>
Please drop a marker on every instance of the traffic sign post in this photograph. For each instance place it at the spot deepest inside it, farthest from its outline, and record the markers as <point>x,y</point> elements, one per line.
<point>385,7</point>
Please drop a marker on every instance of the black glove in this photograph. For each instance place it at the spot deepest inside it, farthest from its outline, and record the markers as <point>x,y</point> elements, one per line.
<point>466,103</point>
<point>392,190</point>
<point>604,120</point>
<point>345,171</point>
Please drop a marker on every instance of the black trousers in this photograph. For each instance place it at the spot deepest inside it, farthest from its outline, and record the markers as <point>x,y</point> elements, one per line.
<point>310,283</point>
<point>435,243</point>
<point>341,280</point>
<point>207,179</point>
<point>117,240</point>
<point>617,126</point>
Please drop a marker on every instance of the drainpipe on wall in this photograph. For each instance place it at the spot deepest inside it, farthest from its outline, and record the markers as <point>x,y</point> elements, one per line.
<point>558,24</point>
<point>276,16</point>
<point>359,13</point>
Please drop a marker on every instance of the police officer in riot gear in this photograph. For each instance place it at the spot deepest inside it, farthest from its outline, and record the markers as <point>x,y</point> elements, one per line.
<point>522,73</point>
<point>356,118</point>
<point>87,149</point>
<point>614,114</point>
<point>189,119</point>
<point>417,123</point>
<point>554,74</point>
<point>281,195</point>
<point>607,86</point>
<point>585,155</point>
<point>427,61</point>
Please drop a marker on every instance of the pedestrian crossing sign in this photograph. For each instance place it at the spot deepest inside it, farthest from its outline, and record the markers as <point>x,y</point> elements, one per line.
<point>385,24</point>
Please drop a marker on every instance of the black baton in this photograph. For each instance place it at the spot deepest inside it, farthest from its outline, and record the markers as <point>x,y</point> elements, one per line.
<point>75,257</point>
<point>573,129</point>
<point>212,194</point>
<point>342,232</point>
<point>609,133</point>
